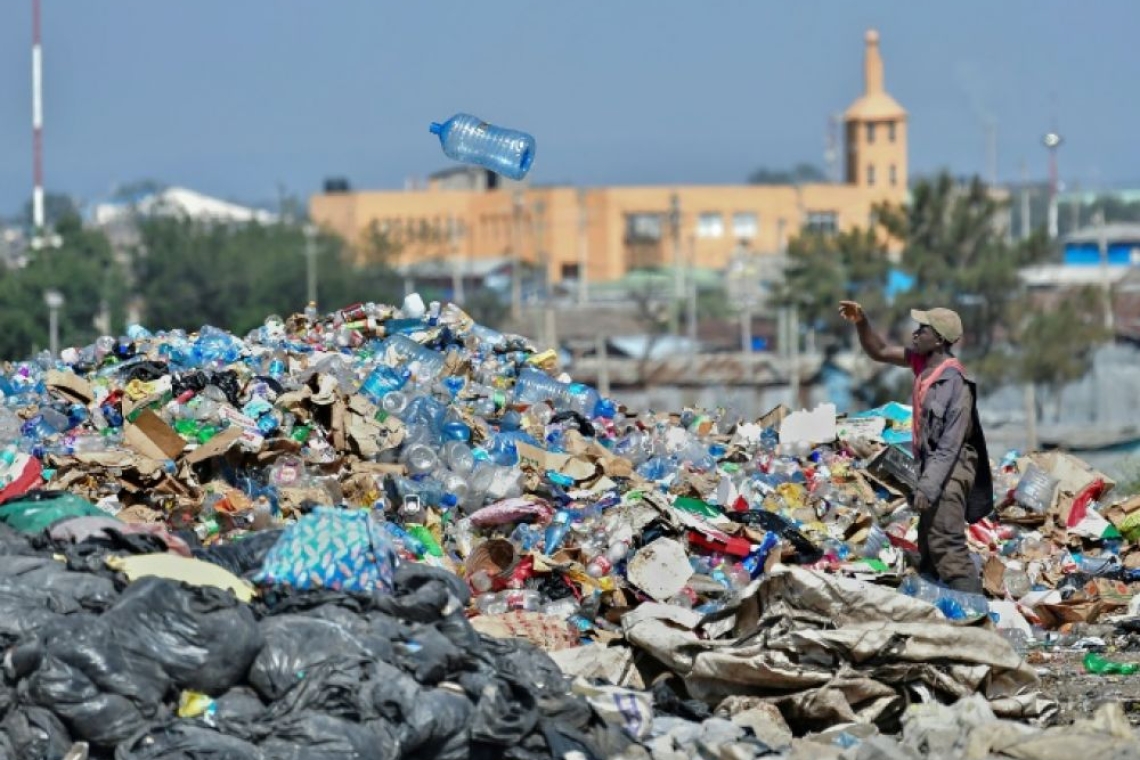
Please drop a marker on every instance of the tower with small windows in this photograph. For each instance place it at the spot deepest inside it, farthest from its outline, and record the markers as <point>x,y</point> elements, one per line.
<point>875,128</point>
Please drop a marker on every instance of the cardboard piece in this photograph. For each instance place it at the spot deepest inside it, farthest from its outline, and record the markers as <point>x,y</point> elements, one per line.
<point>216,446</point>
<point>865,428</point>
<point>993,577</point>
<point>660,569</point>
<point>70,386</point>
<point>150,436</point>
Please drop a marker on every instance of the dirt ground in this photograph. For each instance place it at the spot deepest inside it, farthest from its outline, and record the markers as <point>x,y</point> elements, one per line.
<point>1078,694</point>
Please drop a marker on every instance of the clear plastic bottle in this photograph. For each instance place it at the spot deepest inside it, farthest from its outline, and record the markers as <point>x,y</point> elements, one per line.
<point>381,381</point>
<point>955,605</point>
<point>471,140</point>
<point>1015,580</point>
<point>409,352</point>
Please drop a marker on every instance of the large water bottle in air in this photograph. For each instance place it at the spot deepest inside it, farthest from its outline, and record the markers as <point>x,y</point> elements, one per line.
<point>471,140</point>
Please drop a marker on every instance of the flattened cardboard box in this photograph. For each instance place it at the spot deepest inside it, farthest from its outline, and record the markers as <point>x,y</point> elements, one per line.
<point>150,436</point>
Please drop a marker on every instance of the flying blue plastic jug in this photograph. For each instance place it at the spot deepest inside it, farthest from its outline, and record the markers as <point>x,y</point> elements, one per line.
<point>471,140</point>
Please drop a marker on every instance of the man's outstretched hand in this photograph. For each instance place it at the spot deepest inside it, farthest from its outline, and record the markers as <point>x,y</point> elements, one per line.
<point>852,311</point>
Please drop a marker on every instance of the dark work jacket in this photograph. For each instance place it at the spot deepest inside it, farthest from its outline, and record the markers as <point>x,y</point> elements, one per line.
<point>950,421</point>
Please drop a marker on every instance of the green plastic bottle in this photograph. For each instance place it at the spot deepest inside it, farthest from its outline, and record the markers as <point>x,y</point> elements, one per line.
<point>1094,663</point>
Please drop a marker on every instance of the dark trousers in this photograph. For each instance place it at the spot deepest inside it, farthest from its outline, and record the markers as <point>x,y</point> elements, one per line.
<point>942,529</point>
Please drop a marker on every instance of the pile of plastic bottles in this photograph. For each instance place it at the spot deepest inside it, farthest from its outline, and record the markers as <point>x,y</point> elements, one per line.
<point>458,437</point>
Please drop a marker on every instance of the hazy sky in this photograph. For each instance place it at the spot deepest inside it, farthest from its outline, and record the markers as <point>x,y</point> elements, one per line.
<point>232,98</point>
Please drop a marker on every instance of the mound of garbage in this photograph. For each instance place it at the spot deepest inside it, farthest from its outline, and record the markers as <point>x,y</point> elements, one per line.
<point>392,532</point>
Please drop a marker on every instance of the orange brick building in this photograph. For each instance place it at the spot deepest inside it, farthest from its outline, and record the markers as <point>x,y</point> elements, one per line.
<point>465,215</point>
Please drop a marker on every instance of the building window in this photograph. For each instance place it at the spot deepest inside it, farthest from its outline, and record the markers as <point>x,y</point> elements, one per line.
<point>870,174</point>
<point>870,132</point>
<point>569,271</point>
<point>643,227</point>
<point>893,176</point>
<point>890,131</point>
<point>822,222</point>
<point>710,224</point>
<point>745,225</point>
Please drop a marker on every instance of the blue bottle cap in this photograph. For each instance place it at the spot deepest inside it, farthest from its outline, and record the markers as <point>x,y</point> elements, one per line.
<point>435,128</point>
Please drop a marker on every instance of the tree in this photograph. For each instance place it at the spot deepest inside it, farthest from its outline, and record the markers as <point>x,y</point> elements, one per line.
<point>82,269</point>
<point>956,249</point>
<point>1055,345</point>
<point>801,173</point>
<point>57,207</point>
<point>823,270</point>
<point>233,276</point>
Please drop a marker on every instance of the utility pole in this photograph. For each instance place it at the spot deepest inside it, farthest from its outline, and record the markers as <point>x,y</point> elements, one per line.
<point>794,361</point>
<point>692,296</point>
<point>1052,142</point>
<point>1106,284</point>
<point>457,293</point>
<point>38,220</point>
<point>543,256</point>
<point>678,279</point>
<point>1026,225</point>
<point>516,243</point>
<point>310,263</point>
<point>583,248</point>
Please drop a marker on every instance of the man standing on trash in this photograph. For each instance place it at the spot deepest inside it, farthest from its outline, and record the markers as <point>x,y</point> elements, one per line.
<point>955,485</point>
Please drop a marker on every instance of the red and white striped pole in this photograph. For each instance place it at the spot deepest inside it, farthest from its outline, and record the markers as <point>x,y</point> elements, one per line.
<point>37,122</point>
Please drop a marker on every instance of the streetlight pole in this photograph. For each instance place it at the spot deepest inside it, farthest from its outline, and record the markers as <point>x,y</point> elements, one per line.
<point>678,281</point>
<point>311,263</point>
<point>1105,281</point>
<point>53,299</point>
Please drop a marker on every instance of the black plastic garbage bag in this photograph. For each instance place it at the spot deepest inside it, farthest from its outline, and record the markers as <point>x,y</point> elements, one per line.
<point>57,588</point>
<point>103,693</point>
<point>35,734</point>
<point>182,740</point>
<point>504,714</point>
<point>240,712</point>
<point>204,638</point>
<point>333,687</point>
<point>430,656</point>
<point>293,645</point>
<point>100,718</point>
<point>243,557</point>
<point>315,736</point>
<point>424,594</point>
<point>429,722</point>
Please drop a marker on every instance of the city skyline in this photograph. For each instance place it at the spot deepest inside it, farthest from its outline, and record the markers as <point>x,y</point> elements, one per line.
<point>236,102</point>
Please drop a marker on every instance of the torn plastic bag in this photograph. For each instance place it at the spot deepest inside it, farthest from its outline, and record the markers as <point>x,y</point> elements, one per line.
<point>202,637</point>
<point>183,740</point>
<point>806,552</point>
<point>35,734</point>
<point>244,557</point>
<point>293,646</point>
<point>313,736</point>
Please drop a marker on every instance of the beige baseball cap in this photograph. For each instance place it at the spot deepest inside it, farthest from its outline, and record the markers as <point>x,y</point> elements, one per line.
<point>945,322</point>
